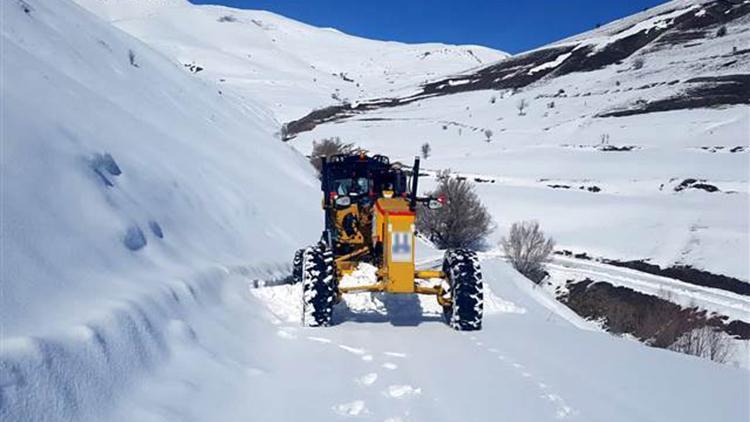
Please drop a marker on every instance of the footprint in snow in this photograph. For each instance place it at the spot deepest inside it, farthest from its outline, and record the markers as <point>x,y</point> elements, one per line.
<point>367,379</point>
<point>355,408</point>
<point>319,339</point>
<point>367,358</point>
<point>391,366</point>
<point>563,410</point>
<point>286,333</point>
<point>395,354</point>
<point>350,349</point>
<point>401,391</point>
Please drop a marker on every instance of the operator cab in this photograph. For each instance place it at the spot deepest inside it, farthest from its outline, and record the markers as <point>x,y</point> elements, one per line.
<point>361,179</point>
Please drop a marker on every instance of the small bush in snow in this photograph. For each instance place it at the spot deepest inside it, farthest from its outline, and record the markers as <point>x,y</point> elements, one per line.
<point>328,147</point>
<point>426,150</point>
<point>463,222</point>
<point>722,31</point>
<point>488,134</point>
<point>227,18</point>
<point>528,249</point>
<point>131,58</point>
<point>638,63</point>
<point>25,7</point>
<point>705,342</point>
<point>521,106</point>
<point>493,99</point>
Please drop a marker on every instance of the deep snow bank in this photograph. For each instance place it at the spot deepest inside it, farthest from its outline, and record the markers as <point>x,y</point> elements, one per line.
<point>128,187</point>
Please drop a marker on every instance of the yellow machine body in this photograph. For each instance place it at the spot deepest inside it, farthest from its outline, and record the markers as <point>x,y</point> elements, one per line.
<point>375,225</point>
<point>394,227</point>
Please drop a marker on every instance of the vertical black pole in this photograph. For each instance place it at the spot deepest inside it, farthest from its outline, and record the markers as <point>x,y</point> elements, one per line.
<point>414,184</point>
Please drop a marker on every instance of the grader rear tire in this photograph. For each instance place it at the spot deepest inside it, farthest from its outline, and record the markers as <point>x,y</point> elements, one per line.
<point>461,267</point>
<point>318,286</point>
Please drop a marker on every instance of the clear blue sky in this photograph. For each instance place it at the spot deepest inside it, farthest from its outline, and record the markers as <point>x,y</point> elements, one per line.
<point>512,26</point>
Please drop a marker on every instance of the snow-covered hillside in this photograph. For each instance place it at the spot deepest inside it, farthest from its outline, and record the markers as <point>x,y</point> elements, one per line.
<point>143,207</point>
<point>632,141</point>
<point>289,66</point>
<point>129,190</point>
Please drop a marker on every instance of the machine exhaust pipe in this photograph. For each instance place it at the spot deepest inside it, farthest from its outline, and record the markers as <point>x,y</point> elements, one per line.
<point>414,184</point>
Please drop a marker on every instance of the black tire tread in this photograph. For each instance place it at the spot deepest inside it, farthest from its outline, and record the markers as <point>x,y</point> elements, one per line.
<point>461,267</point>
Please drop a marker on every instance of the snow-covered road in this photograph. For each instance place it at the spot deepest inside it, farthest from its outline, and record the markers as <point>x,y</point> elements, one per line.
<point>393,359</point>
<point>724,302</point>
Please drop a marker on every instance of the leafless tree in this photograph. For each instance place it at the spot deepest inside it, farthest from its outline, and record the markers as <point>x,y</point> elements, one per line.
<point>488,133</point>
<point>426,150</point>
<point>521,106</point>
<point>528,249</point>
<point>462,222</point>
<point>328,147</point>
<point>705,342</point>
<point>131,58</point>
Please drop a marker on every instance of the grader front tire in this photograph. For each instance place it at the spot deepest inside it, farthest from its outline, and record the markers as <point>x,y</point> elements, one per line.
<point>318,286</point>
<point>464,313</point>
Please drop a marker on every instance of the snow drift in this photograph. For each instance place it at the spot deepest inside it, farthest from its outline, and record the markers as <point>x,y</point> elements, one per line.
<point>128,190</point>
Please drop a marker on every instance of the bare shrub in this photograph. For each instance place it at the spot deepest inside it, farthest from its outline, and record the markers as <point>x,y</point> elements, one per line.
<point>131,58</point>
<point>705,342</point>
<point>722,31</point>
<point>25,7</point>
<point>521,106</point>
<point>488,133</point>
<point>493,99</point>
<point>227,18</point>
<point>329,147</point>
<point>638,63</point>
<point>426,149</point>
<point>528,249</point>
<point>463,222</point>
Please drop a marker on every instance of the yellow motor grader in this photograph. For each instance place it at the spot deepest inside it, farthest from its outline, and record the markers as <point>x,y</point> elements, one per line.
<point>370,211</point>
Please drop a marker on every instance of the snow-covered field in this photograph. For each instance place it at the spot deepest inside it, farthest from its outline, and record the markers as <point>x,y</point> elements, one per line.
<point>142,202</point>
<point>545,160</point>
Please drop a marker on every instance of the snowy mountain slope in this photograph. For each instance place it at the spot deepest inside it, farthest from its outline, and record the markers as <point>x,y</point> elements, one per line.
<point>695,55</point>
<point>634,185</point>
<point>289,66</point>
<point>139,205</point>
<point>128,189</point>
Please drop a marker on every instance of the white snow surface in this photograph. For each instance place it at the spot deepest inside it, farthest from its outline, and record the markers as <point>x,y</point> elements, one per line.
<point>143,205</point>
<point>289,66</point>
